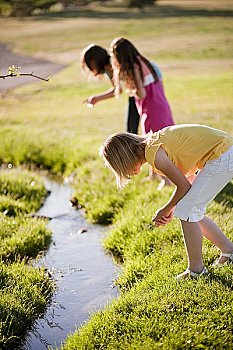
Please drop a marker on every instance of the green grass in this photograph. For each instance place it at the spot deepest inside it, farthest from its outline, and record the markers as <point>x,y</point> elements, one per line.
<point>147,317</point>
<point>150,317</point>
<point>23,187</point>
<point>21,193</point>
<point>22,237</point>
<point>154,311</point>
<point>25,290</point>
<point>46,125</point>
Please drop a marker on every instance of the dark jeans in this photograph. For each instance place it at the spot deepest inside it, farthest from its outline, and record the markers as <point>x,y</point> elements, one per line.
<point>133,117</point>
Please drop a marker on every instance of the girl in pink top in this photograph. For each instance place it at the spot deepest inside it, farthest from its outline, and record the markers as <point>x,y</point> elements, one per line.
<point>143,80</point>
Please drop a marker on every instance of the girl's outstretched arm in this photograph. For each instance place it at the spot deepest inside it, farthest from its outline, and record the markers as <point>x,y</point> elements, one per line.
<point>168,168</point>
<point>103,95</point>
<point>99,97</point>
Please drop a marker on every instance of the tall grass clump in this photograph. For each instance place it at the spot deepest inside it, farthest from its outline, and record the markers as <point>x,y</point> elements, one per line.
<point>25,290</point>
<point>22,187</point>
<point>21,193</point>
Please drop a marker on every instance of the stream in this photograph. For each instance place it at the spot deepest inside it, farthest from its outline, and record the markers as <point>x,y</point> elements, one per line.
<point>83,271</point>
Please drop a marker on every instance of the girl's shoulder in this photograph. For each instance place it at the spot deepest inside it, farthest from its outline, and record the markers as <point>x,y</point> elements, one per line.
<point>157,70</point>
<point>145,69</point>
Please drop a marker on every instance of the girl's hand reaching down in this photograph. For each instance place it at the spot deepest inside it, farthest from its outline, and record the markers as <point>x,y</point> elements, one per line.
<point>162,217</point>
<point>92,100</point>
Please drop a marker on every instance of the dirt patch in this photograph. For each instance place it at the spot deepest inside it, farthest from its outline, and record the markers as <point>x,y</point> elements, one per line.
<point>28,64</point>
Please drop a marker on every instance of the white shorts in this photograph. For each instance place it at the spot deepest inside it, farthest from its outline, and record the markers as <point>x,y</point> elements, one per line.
<point>208,183</point>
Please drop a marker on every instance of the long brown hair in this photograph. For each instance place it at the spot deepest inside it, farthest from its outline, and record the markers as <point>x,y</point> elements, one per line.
<point>127,55</point>
<point>121,152</point>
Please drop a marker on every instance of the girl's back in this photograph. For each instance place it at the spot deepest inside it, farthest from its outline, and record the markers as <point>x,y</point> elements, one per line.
<point>148,75</point>
<point>154,109</point>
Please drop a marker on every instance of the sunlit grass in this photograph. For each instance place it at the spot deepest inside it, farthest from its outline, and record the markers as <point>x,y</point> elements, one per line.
<point>25,290</point>
<point>150,317</point>
<point>154,311</point>
<point>21,236</point>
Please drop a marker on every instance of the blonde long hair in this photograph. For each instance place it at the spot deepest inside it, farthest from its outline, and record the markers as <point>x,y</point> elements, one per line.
<point>121,152</point>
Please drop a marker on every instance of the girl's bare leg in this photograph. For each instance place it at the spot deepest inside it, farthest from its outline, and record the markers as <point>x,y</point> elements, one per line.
<point>152,175</point>
<point>164,181</point>
<point>193,242</point>
<point>213,233</point>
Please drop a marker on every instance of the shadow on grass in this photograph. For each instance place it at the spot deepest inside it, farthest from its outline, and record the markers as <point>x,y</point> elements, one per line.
<point>124,13</point>
<point>226,196</point>
<point>226,280</point>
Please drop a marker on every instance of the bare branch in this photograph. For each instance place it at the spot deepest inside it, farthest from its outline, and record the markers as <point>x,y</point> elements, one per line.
<point>14,72</point>
<point>23,74</point>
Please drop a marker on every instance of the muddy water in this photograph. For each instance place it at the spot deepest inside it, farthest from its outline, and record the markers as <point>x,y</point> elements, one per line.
<point>84,273</point>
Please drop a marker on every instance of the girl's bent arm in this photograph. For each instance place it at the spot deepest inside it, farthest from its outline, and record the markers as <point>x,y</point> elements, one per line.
<point>168,168</point>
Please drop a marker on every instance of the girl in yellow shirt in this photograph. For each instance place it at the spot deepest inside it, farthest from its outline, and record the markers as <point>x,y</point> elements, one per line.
<point>180,152</point>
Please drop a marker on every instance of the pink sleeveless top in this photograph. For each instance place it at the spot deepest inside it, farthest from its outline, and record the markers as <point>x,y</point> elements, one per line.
<point>154,109</point>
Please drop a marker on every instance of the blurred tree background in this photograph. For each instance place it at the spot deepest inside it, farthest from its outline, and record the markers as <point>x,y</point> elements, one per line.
<point>19,8</point>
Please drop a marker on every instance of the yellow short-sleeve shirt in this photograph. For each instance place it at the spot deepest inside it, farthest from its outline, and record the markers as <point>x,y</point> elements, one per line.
<point>189,146</point>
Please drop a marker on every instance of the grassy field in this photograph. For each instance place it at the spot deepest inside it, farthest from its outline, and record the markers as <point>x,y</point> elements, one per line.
<point>46,125</point>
